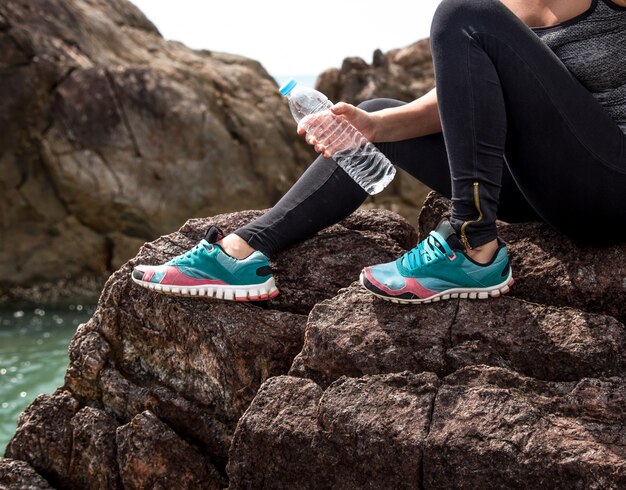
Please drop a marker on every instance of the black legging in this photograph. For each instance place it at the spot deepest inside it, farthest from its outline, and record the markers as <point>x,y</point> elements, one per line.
<point>514,120</point>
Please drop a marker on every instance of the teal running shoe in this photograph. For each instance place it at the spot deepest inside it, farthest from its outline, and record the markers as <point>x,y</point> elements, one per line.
<point>206,270</point>
<point>437,269</point>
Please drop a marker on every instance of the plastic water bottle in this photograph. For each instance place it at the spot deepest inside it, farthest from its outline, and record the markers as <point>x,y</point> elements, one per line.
<point>361,160</point>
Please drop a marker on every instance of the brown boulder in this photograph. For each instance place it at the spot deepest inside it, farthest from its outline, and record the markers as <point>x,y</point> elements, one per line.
<point>359,433</point>
<point>44,435</point>
<point>93,462</point>
<point>498,393</point>
<point>495,429</point>
<point>526,393</point>
<point>151,455</point>
<point>355,334</point>
<point>17,474</point>
<point>478,428</point>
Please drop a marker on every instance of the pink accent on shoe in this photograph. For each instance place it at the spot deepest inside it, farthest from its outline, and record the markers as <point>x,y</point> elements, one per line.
<point>174,277</point>
<point>148,275</point>
<point>259,297</point>
<point>412,286</point>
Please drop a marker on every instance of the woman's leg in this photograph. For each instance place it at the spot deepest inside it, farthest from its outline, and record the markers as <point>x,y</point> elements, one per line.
<point>325,194</point>
<point>506,100</point>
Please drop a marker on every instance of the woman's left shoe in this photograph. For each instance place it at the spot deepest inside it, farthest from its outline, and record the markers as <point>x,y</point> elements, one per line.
<point>438,268</point>
<point>206,270</point>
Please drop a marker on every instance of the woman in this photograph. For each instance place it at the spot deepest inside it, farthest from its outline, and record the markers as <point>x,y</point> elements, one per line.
<point>529,121</point>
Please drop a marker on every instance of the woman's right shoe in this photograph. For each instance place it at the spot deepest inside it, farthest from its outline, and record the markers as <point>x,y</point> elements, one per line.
<point>437,269</point>
<point>206,270</point>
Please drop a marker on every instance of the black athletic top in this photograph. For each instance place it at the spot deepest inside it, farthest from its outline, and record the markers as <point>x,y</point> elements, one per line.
<point>592,46</point>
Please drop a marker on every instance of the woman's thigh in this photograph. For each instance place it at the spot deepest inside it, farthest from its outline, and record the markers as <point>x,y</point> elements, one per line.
<point>426,159</point>
<point>563,150</point>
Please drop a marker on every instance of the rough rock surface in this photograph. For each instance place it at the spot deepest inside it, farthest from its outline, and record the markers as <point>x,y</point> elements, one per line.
<point>355,334</point>
<point>156,378</point>
<point>17,474</point>
<point>172,463</point>
<point>112,136</point>
<point>404,74</point>
<point>480,427</point>
<point>524,391</point>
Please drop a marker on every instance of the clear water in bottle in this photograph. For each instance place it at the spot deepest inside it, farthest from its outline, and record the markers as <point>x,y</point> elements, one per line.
<point>361,160</point>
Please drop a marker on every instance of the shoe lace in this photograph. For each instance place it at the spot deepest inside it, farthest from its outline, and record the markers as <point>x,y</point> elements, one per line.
<point>194,251</point>
<point>426,252</point>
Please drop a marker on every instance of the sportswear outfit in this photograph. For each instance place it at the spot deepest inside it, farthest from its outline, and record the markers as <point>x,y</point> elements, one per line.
<point>534,128</point>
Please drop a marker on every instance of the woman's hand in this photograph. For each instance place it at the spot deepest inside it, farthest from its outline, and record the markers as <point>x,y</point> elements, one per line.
<point>325,142</point>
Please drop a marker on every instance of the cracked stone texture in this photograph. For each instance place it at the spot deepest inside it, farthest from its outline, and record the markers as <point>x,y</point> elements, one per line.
<point>551,269</point>
<point>359,433</point>
<point>481,427</point>
<point>113,136</point>
<point>17,474</point>
<point>355,334</point>
<point>151,455</point>
<point>158,378</point>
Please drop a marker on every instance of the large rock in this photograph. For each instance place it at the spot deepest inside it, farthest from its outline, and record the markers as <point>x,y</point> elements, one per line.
<point>497,393</point>
<point>112,135</point>
<point>359,433</point>
<point>355,334</point>
<point>17,474</point>
<point>492,428</point>
<point>172,463</point>
<point>478,428</point>
<point>178,373</point>
<point>44,439</point>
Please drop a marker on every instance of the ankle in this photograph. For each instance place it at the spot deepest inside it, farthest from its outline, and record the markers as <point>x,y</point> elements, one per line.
<point>235,246</point>
<point>483,253</point>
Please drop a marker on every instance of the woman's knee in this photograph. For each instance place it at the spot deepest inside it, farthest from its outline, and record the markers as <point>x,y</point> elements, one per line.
<point>451,15</point>
<point>373,105</point>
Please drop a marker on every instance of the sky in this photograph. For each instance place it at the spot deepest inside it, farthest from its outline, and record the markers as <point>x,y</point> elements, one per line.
<point>293,37</point>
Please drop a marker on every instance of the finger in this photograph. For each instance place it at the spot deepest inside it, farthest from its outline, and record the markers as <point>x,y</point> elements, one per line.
<point>305,123</point>
<point>339,108</point>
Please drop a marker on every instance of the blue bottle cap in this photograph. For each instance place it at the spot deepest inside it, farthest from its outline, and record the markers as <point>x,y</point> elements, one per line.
<point>288,87</point>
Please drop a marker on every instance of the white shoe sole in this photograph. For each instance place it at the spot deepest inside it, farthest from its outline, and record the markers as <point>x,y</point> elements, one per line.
<point>463,293</point>
<point>255,292</point>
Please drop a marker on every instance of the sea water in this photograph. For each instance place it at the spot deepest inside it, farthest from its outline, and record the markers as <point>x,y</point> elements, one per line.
<point>33,356</point>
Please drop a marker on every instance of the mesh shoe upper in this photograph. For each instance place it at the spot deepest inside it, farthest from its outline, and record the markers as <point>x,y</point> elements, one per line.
<point>437,264</point>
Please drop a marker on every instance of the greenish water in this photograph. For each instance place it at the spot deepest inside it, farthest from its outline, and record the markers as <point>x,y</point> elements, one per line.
<point>33,356</point>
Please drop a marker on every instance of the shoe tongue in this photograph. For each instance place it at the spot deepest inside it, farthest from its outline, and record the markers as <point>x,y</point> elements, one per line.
<point>445,229</point>
<point>213,234</point>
